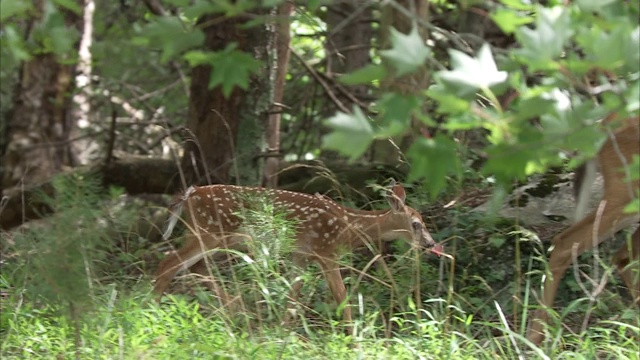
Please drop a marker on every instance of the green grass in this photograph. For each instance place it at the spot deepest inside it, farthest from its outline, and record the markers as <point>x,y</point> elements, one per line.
<point>124,328</point>
<point>56,306</point>
<point>129,326</point>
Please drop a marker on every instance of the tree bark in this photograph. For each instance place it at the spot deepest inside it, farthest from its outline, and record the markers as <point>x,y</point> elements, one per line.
<point>282,41</point>
<point>213,144</point>
<point>213,119</point>
<point>37,139</point>
<point>254,112</point>
<point>81,114</point>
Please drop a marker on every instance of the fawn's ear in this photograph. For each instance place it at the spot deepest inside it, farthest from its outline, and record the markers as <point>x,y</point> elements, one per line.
<point>396,196</point>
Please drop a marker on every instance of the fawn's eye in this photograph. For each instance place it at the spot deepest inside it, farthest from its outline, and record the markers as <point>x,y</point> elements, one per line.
<point>417,225</point>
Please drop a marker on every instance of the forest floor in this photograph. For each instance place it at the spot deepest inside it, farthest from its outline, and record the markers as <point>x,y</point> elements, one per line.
<point>405,305</point>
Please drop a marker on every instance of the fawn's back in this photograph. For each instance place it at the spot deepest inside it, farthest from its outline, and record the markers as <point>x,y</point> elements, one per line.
<point>321,224</point>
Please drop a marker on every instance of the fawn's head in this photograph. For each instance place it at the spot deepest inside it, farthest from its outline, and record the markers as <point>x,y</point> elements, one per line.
<point>416,230</point>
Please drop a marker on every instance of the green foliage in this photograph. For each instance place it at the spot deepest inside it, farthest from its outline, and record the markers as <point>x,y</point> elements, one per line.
<point>180,37</point>
<point>408,52</point>
<point>509,20</point>
<point>544,43</point>
<point>472,74</point>
<point>230,67</point>
<point>634,175</point>
<point>9,8</point>
<point>364,75</point>
<point>49,34</point>
<point>555,111</point>
<point>64,259</point>
<point>271,228</point>
<point>395,113</point>
<point>352,131</point>
<point>574,64</point>
<point>388,322</point>
<point>170,34</point>
<point>428,165</point>
<point>14,46</point>
<point>128,330</point>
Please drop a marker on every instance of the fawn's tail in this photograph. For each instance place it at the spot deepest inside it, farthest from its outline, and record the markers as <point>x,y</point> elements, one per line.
<point>176,210</point>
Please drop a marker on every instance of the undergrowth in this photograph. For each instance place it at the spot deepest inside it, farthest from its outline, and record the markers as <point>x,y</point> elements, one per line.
<point>65,293</point>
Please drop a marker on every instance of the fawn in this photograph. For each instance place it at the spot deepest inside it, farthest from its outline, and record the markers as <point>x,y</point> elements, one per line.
<point>324,227</point>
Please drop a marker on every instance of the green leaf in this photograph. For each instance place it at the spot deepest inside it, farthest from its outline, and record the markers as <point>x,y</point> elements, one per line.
<point>198,57</point>
<point>463,121</point>
<point>632,96</point>
<point>448,103</point>
<point>178,3</point>
<point>232,68</point>
<point>170,34</point>
<point>534,107</point>
<point>593,5</point>
<point>407,53</point>
<point>14,42</point>
<point>199,8</point>
<point>432,160</point>
<point>540,46</point>
<point>313,5</point>
<point>396,113</point>
<point>634,206</point>
<point>61,40</point>
<point>613,50</point>
<point>584,140</point>
<point>509,20</point>
<point>351,135</point>
<point>497,241</point>
<point>518,4</point>
<point>411,303</point>
<point>70,5</point>
<point>478,73</point>
<point>9,8</point>
<point>632,47</point>
<point>507,162</point>
<point>364,75</point>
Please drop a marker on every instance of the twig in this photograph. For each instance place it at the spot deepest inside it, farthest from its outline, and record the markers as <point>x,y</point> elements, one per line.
<point>322,83</point>
<point>112,136</point>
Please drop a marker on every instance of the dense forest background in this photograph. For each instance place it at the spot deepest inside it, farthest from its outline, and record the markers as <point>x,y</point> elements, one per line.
<point>483,109</point>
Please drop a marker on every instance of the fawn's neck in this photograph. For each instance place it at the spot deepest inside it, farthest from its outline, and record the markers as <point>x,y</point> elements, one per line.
<point>376,225</point>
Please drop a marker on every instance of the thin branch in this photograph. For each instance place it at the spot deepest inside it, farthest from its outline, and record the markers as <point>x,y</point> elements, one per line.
<point>112,136</point>
<point>322,83</point>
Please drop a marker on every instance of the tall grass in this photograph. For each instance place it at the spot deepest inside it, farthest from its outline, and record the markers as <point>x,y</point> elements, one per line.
<point>62,297</point>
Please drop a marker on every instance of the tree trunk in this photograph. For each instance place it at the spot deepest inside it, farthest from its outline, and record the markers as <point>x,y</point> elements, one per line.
<point>282,41</point>
<point>37,139</point>
<point>82,115</point>
<point>213,146</point>
<point>254,111</point>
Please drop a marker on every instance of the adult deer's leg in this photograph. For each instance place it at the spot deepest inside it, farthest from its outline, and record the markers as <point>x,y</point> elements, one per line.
<point>579,235</point>
<point>627,260</point>
<point>331,270</point>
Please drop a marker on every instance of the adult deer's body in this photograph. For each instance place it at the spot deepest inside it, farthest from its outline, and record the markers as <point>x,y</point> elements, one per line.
<point>613,159</point>
<point>323,226</point>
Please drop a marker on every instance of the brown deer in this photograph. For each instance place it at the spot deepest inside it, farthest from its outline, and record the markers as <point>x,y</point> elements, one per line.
<point>323,228</point>
<point>613,159</point>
